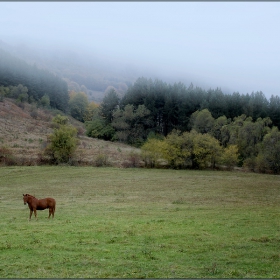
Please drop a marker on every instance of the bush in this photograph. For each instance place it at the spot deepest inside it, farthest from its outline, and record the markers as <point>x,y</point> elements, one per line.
<point>62,144</point>
<point>98,129</point>
<point>60,120</point>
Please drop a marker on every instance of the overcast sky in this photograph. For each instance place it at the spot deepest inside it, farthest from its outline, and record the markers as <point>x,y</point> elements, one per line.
<point>232,45</point>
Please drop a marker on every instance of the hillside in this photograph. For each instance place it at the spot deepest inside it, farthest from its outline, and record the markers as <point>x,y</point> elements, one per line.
<point>24,132</point>
<point>81,71</point>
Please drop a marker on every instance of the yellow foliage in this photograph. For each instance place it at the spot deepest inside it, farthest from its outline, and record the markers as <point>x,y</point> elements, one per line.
<point>230,156</point>
<point>207,150</point>
<point>152,151</point>
<point>91,111</point>
<point>73,94</point>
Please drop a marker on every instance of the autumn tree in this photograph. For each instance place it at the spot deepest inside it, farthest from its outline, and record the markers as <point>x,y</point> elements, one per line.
<point>190,149</point>
<point>178,149</point>
<point>91,112</point>
<point>206,151</point>
<point>152,152</point>
<point>229,157</point>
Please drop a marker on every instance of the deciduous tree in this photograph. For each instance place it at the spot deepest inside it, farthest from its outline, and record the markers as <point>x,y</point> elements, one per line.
<point>78,104</point>
<point>202,121</point>
<point>268,159</point>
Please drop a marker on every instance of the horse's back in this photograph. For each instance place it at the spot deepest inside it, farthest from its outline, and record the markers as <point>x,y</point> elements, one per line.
<point>47,202</point>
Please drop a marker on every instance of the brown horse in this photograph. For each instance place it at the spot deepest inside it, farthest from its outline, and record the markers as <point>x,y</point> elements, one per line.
<point>39,204</point>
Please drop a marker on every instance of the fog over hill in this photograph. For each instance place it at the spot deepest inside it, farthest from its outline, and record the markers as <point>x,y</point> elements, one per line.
<point>230,45</point>
<point>89,70</point>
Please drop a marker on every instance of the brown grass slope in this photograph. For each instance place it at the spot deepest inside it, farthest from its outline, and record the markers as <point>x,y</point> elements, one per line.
<point>24,130</point>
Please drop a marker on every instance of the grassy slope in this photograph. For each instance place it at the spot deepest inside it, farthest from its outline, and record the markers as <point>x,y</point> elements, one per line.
<point>26,136</point>
<point>140,223</point>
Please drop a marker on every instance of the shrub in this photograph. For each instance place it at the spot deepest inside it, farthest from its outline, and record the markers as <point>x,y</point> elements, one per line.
<point>60,120</point>
<point>101,160</point>
<point>62,144</point>
<point>34,114</point>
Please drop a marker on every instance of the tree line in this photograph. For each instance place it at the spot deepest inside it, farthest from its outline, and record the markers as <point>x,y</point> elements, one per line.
<point>154,107</point>
<point>172,105</point>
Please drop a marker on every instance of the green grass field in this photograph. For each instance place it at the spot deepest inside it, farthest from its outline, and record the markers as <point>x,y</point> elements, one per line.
<point>140,223</point>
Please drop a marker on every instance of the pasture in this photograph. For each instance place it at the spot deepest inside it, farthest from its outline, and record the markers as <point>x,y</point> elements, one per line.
<point>140,223</point>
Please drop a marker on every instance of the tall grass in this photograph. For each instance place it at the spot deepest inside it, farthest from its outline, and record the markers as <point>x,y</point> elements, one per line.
<point>140,223</point>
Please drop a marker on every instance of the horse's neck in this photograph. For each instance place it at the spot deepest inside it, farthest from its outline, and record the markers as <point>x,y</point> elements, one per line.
<point>32,198</point>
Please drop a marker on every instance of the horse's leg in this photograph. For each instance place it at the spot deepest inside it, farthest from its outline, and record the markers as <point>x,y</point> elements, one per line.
<point>30,214</point>
<point>50,211</point>
<point>35,213</point>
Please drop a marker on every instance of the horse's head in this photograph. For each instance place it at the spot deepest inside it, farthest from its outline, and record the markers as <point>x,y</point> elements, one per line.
<point>25,196</point>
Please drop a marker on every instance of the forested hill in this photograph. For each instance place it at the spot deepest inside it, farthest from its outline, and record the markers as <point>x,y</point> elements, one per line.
<point>171,105</point>
<point>39,83</point>
<point>82,71</point>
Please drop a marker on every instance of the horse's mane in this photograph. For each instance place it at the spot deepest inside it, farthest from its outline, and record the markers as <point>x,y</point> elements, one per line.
<point>30,195</point>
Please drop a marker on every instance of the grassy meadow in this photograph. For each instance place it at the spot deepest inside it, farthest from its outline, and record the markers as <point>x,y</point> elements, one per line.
<point>140,223</point>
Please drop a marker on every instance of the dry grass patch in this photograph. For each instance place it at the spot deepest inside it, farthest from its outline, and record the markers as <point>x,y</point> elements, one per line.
<point>24,133</point>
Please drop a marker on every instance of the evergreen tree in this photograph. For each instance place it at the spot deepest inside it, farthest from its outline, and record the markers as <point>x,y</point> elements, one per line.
<point>131,124</point>
<point>109,105</point>
<point>274,110</point>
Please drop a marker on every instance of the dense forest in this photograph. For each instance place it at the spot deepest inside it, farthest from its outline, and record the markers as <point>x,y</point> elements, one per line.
<point>167,107</point>
<point>169,121</point>
<point>172,105</point>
